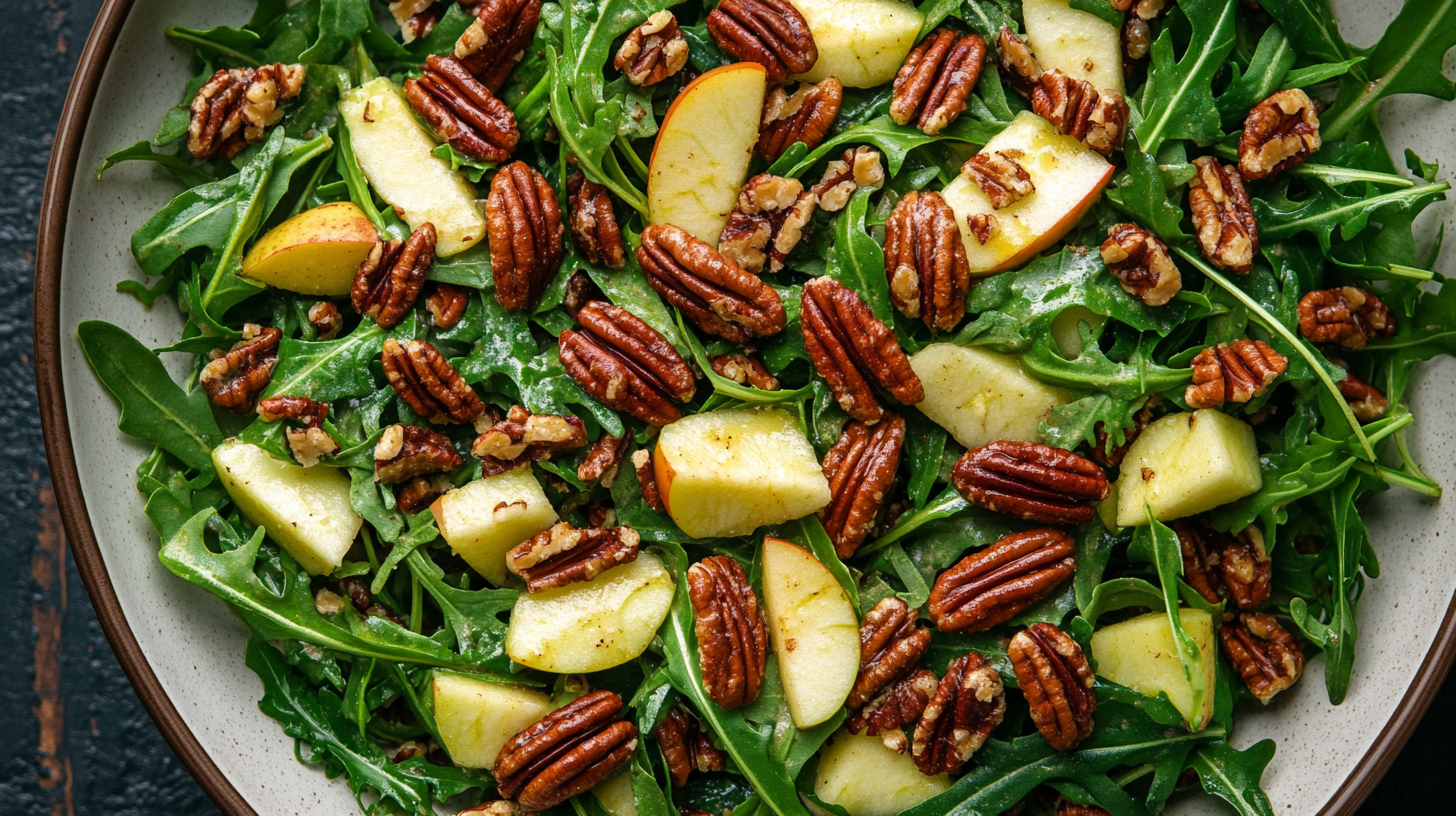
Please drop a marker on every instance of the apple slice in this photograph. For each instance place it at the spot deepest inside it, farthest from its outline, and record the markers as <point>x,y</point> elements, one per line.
<point>1184,464</point>
<point>614,794</point>
<point>315,252</point>
<point>476,717</point>
<point>1141,654</point>
<point>1068,176</point>
<point>305,510</point>
<point>814,631</point>
<point>858,773</point>
<point>397,156</point>
<point>861,42</point>
<point>487,517</point>
<point>703,147</point>
<point>981,396</point>
<point>1078,43</point>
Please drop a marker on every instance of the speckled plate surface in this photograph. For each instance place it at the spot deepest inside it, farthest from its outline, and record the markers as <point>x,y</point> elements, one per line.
<point>183,650</point>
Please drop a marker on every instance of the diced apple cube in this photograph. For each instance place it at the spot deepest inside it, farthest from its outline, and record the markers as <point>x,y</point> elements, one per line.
<point>1141,654</point>
<point>863,43</point>
<point>814,631</point>
<point>1184,464</point>
<point>305,510</point>
<point>487,517</point>
<point>476,717</point>
<point>858,773</point>
<point>315,252</point>
<point>981,396</point>
<point>1078,43</point>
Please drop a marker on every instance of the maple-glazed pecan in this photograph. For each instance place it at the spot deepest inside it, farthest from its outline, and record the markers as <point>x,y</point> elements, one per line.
<point>419,493</point>
<point>771,33</point>
<point>1227,231</point>
<point>594,228</point>
<point>983,226</point>
<point>932,86</point>
<point>1233,372</point>
<point>1104,453</point>
<point>686,748</point>
<point>890,647</point>
<point>1347,317</point>
<point>767,223</point>
<point>523,220</point>
<point>1366,401</point>
<point>1264,655</point>
<point>925,261</point>
<point>498,38</point>
<point>1247,571</point>
<point>899,705</point>
<point>447,304</point>
<point>562,555</point>
<point>1032,481</point>
<point>711,289</point>
<point>1077,109</point>
<point>625,364</point>
<point>566,752</point>
<point>463,112</point>
<point>1000,176</point>
<point>729,626</point>
<point>859,168</point>
<point>580,290</point>
<point>966,708</point>
<point>854,351</point>
<point>326,321</point>
<point>990,587</point>
<point>235,378</point>
<point>526,437</point>
<point>653,51</point>
<point>603,459</point>
<point>1202,556</point>
<point>234,106</point>
<point>1141,263</point>
<point>1056,679</point>
<point>427,382</point>
<point>860,468</point>
<point>406,451</point>
<point>744,369</point>
<point>803,116</point>
<point>647,479</point>
<point>392,275</point>
<point>310,443</point>
<point>1279,133</point>
<point>1019,67</point>
<point>1142,9</point>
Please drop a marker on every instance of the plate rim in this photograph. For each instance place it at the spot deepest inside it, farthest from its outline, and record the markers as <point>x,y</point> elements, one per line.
<point>65,479</point>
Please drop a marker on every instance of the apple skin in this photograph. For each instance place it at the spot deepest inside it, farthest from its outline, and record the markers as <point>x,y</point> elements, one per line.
<point>703,149</point>
<point>315,252</point>
<point>814,631</point>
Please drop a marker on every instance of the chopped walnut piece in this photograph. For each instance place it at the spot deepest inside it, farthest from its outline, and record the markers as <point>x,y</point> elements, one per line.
<point>1000,176</point>
<point>859,168</point>
<point>1233,372</point>
<point>325,319</point>
<point>653,51</point>
<point>1228,233</point>
<point>310,445</point>
<point>767,223</point>
<point>1141,263</point>
<point>803,116</point>
<point>1347,317</point>
<point>1279,133</point>
<point>983,226</point>
<point>233,108</point>
<point>744,369</point>
<point>416,18</point>
<point>526,437</point>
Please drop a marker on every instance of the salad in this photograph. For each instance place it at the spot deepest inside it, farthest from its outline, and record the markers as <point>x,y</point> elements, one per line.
<point>628,408</point>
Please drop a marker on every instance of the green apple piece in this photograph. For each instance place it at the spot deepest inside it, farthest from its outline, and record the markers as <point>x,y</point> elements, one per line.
<point>1184,464</point>
<point>487,517</point>
<point>861,42</point>
<point>614,794</point>
<point>1078,43</point>
<point>592,625</point>
<point>727,473</point>
<point>858,773</point>
<point>476,718</point>
<point>397,156</point>
<point>305,510</point>
<point>981,396</point>
<point>1142,654</point>
<point>316,252</point>
<point>814,631</point>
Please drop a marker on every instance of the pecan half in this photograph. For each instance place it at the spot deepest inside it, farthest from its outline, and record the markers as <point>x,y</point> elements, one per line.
<point>854,351</point>
<point>419,493</point>
<point>603,459</point>
<point>771,33</point>
<point>803,116</point>
<point>427,382</point>
<point>565,555</point>
<point>1264,655</point>
<point>647,478</point>
<point>1097,118</point>
<point>625,364</point>
<point>580,290</point>
<point>990,587</point>
<point>498,38</point>
<point>447,304</point>
<point>566,752</point>
<point>392,275</point>
<point>1019,67</point>
<point>326,321</point>
<point>310,443</point>
<point>744,369</point>
<point>594,227</point>
<point>1143,9</point>
<point>416,18</point>
<point>1233,372</point>
<point>890,646</point>
<point>932,86</point>
<point>1366,401</point>
<point>1202,554</point>
<point>925,261</point>
<point>523,220</point>
<point>235,378</point>
<point>1346,317</point>
<point>526,437</point>
<point>1279,133</point>
<point>719,297</point>
<point>899,705</point>
<point>686,747</point>
<point>858,168</point>
<point>1054,675</point>
<point>1032,481</point>
<point>966,708</point>
<point>1247,571</point>
<point>729,625</point>
<point>653,51</point>
<point>1228,233</point>
<point>860,468</point>
<point>233,108</point>
<point>463,112</point>
<point>767,223</point>
<point>1000,176</point>
<point>406,451</point>
<point>1141,263</point>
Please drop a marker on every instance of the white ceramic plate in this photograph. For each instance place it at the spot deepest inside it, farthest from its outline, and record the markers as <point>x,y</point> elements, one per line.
<point>183,649</point>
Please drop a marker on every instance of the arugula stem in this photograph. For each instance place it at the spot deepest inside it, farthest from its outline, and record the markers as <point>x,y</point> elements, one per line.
<point>187,36</point>
<point>633,160</point>
<point>1327,172</point>
<point>1133,774</point>
<point>302,203</point>
<point>417,604</point>
<point>1411,467</point>
<point>540,89</point>
<point>1410,272</point>
<point>947,504</point>
<point>361,711</point>
<point>1425,487</point>
<point>416,706</point>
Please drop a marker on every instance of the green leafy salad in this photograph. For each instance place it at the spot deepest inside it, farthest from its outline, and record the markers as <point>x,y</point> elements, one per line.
<point>853,407</point>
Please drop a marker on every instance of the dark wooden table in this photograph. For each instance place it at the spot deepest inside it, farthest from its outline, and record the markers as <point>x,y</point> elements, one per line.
<point>74,738</point>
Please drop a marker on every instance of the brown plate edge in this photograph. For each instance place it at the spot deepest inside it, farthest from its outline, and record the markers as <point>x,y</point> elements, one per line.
<point>47,337</point>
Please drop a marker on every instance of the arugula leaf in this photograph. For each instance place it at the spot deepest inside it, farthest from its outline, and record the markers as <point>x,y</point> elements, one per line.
<point>327,370</point>
<point>184,171</point>
<point>986,17</point>
<point>1101,8</point>
<point>1272,61</point>
<point>339,22</point>
<point>894,141</point>
<point>1177,99</point>
<point>856,259</point>
<point>473,615</point>
<point>1338,635</point>
<point>1233,775</point>
<point>1157,544</point>
<point>947,504</point>
<point>1324,72</point>
<point>1093,371</point>
<point>1327,209</point>
<point>1141,193</point>
<point>1408,59</point>
<point>1311,27</point>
